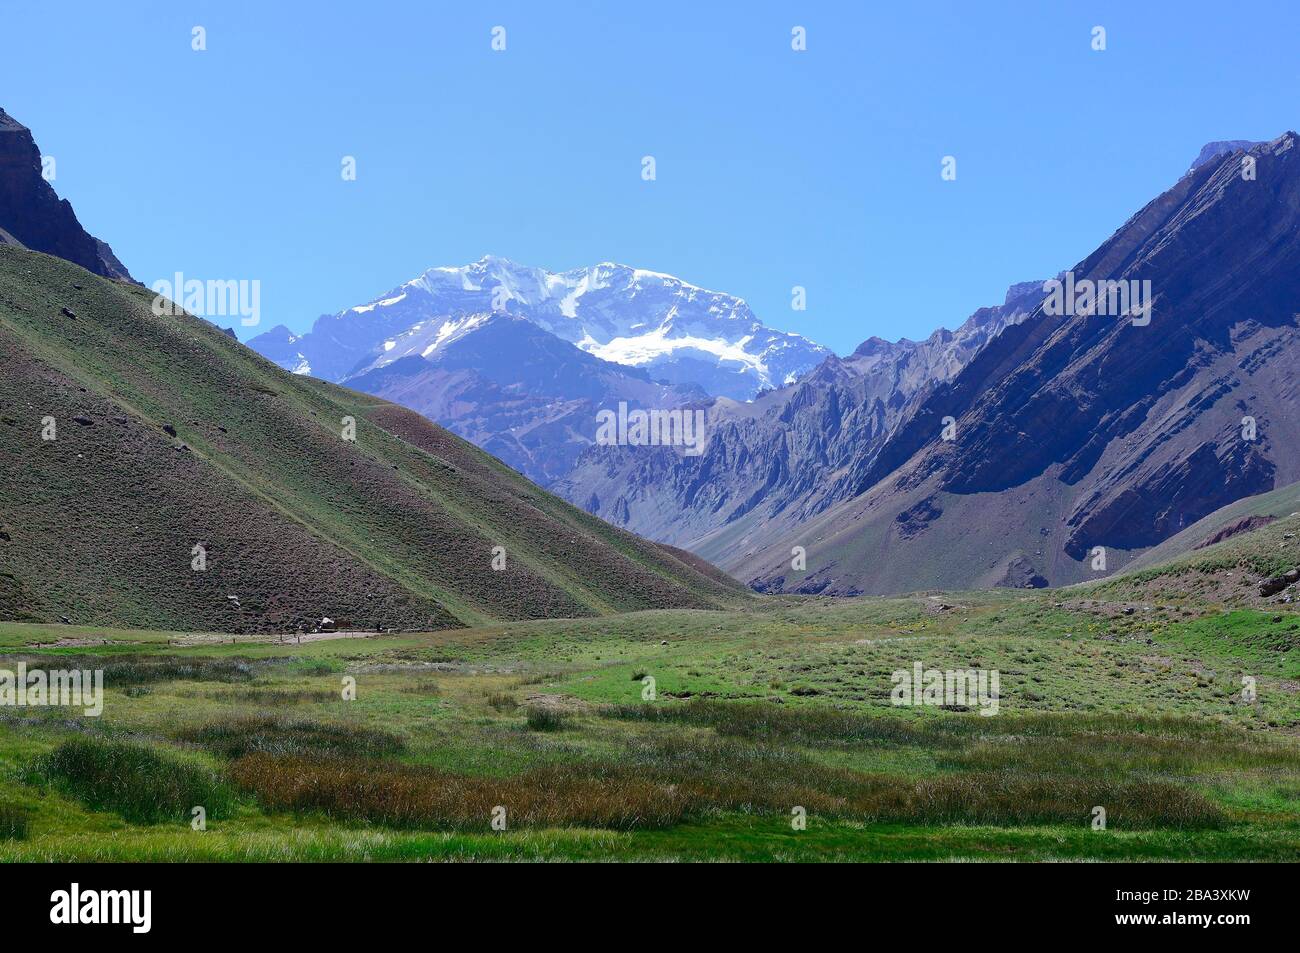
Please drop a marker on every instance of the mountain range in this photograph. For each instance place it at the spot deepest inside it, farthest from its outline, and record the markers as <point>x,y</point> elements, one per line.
<point>779,460</point>
<point>676,332</point>
<point>521,361</point>
<point>1079,440</point>
<point>516,390</point>
<point>1005,452</point>
<point>1051,438</point>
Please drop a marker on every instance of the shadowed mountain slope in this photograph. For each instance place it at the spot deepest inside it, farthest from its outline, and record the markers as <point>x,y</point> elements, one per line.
<point>521,393</point>
<point>1235,520</point>
<point>1081,431</point>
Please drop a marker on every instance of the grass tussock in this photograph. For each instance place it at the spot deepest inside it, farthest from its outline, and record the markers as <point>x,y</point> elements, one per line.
<point>280,697</point>
<point>1123,755</point>
<point>14,819</point>
<point>546,718</point>
<point>143,785</point>
<point>658,782</point>
<point>143,670</point>
<point>238,736</point>
<point>502,701</point>
<point>432,689</point>
<point>720,774</point>
<point>992,798</point>
<point>827,726</point>
<point>402,796</point>
<point>123,671</point>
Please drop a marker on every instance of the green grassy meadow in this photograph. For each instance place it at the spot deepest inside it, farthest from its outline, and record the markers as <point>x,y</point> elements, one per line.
<point>755,712</point>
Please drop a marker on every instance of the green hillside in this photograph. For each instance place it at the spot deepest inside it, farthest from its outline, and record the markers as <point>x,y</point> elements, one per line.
<point>1242,516</point>
<point>1219,560</point>
<point>171,435</point>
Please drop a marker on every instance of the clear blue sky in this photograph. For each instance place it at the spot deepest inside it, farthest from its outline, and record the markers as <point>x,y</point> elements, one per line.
<point>775,168</point>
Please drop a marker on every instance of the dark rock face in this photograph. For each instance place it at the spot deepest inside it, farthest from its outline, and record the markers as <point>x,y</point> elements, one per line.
<point>32,215</point>
<point>1020,575</point>
<point>1275,584</point>
<point>913,520</point>
<point>1177,494</point>
<point>1075,431</point>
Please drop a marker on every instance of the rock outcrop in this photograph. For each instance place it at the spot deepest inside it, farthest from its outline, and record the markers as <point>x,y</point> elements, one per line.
<point>33,216</point>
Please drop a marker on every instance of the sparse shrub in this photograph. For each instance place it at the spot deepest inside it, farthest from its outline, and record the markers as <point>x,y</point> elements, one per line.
<point>546,718</point>
<point>423,688</point>
<point>141,784</point>
<point>316,668</point>
<point>245,734</point>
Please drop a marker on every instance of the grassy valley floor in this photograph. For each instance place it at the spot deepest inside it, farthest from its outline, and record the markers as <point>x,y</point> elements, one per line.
<point>1134,707</point>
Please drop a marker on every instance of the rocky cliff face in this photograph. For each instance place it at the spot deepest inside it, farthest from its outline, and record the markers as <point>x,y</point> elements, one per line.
<point>33,216</point>
<point>1078,433</point>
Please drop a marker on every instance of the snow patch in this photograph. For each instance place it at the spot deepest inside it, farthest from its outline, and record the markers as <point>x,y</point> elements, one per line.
<point>363,308</point>
<point>645,348</point>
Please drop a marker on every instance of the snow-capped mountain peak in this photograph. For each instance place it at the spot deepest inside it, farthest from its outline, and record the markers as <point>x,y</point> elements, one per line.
<point>675,330</point>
